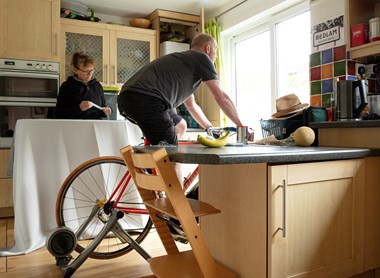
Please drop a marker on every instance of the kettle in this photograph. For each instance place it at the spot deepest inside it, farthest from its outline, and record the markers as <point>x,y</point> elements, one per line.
<point>351,99</point>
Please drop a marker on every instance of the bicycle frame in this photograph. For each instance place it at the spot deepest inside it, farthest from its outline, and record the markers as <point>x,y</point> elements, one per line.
<point>121,187</point>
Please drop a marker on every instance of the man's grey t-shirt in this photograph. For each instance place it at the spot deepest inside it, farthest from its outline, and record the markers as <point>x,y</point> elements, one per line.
<point>172,77</point>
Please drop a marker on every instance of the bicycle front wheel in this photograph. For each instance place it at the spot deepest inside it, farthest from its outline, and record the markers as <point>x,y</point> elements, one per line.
<point>89,183</point>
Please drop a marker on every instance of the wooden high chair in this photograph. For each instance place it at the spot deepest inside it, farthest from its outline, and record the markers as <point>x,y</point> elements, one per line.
<point>196,262</point>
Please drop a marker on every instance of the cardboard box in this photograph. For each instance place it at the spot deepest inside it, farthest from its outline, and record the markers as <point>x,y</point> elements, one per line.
<point>359,34</point>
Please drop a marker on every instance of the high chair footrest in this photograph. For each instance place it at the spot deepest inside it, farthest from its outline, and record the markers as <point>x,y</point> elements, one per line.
<point>183,264</point>
<point>199,208</point>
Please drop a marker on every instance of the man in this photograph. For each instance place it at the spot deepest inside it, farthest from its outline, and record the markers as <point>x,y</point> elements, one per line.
<point>151,95</point>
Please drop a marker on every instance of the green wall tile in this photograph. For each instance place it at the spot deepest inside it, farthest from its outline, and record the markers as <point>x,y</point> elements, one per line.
<point>315,59</point>
<point>326,100</point>
<point>339,68</point>
<point>315,88</point>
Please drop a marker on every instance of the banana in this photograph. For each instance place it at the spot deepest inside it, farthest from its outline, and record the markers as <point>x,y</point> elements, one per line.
<point>217,143</point>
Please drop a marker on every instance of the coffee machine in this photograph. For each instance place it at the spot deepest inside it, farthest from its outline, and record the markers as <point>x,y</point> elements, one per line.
<point>351,99</point>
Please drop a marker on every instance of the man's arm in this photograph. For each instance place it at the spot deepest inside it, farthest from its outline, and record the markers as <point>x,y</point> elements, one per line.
<point>224,101</point>
<point>196,112</point>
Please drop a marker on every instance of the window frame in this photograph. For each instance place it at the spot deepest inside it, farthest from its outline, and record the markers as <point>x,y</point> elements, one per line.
<point>268,21</point>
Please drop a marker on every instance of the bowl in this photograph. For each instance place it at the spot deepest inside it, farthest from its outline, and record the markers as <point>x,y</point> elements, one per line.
<point>139,22</point>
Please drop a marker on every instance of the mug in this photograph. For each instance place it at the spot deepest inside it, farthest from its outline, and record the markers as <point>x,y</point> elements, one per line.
<point>242,134</point>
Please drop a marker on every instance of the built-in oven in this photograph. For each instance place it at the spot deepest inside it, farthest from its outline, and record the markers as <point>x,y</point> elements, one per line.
<point>28,90</point>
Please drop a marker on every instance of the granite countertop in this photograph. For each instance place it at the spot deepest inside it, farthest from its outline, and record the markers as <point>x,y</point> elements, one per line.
<point>346,124</point>
<point>198,154</point>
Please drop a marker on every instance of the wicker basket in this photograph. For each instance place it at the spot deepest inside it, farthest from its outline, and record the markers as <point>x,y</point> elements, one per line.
<point>281,129</point>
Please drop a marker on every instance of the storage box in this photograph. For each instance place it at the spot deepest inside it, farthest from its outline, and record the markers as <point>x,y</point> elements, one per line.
<point>281,129</point>
<point>170,47</point>
<point>359,34</point>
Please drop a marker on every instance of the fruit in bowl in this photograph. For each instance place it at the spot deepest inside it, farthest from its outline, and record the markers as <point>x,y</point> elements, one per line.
<point>139,22</point>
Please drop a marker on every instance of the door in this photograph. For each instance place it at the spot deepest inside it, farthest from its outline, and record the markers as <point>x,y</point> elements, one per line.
<point>30,32</point>
<point>315,218</point>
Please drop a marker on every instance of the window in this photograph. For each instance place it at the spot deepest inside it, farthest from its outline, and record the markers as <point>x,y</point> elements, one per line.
<point>268,60</point>
<point>293,50</point>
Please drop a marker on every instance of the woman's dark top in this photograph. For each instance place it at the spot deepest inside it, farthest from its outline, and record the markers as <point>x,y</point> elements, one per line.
<point>72,92</point>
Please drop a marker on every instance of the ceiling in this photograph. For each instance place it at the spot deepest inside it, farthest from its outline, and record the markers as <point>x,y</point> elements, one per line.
<point>142,8</point>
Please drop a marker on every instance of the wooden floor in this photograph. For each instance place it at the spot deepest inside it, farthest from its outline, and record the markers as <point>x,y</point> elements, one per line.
<point>41,263</point>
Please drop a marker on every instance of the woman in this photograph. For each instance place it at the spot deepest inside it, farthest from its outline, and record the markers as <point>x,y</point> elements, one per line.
<point>81,96</point>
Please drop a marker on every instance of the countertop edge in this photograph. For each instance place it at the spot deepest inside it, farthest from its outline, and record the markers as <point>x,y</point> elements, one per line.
<point>325,154</point>
<point>346,124</point>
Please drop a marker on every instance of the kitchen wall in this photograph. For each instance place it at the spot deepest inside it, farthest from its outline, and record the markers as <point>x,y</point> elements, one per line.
<point>329,59</point>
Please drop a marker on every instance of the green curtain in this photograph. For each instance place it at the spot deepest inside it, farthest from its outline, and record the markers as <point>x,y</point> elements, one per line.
<point>213,28</point>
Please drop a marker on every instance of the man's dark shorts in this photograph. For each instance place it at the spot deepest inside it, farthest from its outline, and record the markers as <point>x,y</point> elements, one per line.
<point>151,114</point>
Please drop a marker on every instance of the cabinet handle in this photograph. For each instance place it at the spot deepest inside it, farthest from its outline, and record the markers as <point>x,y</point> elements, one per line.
<point>106,73</point>
<point>283,208</point>
<point>115,73</point>
<point>56,44</point>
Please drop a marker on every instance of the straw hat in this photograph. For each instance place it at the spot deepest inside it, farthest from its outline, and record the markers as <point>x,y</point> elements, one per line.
<point>289,104</point>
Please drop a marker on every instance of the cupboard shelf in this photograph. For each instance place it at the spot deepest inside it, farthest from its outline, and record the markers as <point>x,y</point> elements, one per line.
<point>364,50</point>
<point>361,11</point>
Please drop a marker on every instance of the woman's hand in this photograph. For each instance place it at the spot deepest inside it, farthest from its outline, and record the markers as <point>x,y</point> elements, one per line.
<point>84,105</point>
<point>107,110</point>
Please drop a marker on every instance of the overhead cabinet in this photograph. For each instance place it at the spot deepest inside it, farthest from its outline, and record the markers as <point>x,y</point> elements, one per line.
<point>175,26</point>
<point>29,29</point>
<point>118,51</point>
<point>359,12</point>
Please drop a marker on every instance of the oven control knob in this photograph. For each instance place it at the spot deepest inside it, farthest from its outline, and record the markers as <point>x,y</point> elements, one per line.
<point>43,67</point>
<point>50,67</point>
<point>38,66</point>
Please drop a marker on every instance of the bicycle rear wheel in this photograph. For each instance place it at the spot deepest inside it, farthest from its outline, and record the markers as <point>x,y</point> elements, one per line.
<point>92,181</point>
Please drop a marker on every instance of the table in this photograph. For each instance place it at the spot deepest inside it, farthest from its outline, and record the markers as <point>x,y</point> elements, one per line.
<point>45,152</point>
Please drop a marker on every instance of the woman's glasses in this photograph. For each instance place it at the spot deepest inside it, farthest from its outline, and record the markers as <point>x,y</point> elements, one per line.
<point>87,71</point>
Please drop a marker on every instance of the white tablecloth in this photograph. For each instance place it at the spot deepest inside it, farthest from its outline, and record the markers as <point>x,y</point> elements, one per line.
<point>45,152</point>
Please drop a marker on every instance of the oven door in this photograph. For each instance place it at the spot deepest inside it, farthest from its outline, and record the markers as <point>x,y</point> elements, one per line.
<point>26,86</point>
<point>10,112</point>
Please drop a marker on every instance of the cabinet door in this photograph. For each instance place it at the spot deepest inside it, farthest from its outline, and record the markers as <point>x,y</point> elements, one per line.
<point>93,42</point>
<point>6,193</point>
<point>128,53</point>
<point>316,226</point>
<point>30,32</point>
<point>372,209</point>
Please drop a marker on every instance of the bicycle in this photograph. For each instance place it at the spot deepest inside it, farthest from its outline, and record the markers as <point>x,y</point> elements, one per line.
<point>102,210</point>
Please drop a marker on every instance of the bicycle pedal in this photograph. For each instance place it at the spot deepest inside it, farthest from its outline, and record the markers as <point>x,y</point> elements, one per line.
<point>180,238</point>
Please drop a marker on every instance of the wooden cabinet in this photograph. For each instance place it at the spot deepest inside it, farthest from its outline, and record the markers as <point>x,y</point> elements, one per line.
<point>365,137</point>
<point>361,11</point>
<point>315,228</point>
<point>169,22</point>
<point>315,219</point>
<point>118,51</point>
<point>29,29</point>
<point>6,189</point>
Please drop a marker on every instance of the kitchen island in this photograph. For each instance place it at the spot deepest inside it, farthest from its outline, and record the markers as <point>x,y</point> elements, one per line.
<point>361,134</point>
<point>286,211</point>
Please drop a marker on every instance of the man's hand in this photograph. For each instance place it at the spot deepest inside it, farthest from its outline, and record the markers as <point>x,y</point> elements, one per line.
<point>209,131</point>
